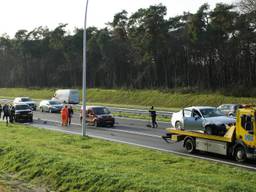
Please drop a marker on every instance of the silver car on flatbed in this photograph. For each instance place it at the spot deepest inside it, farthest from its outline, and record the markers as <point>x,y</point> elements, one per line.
<point>199,118</point>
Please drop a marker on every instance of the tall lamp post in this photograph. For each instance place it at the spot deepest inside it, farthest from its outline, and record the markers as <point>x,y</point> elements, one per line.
<point>84,74</point>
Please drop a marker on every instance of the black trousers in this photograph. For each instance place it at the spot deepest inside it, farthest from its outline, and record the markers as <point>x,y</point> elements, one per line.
<point>154,123</point>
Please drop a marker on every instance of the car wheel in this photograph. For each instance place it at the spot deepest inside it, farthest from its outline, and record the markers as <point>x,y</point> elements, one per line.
<point>240,154</point>
<point>42,110</point>
<point>178,125</point>
<point>189,145</point>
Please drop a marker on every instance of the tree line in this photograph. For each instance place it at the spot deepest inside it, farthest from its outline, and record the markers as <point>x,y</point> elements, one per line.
<point>211,49</point>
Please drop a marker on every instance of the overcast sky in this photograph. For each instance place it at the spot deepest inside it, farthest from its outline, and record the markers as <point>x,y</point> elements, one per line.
<point>29,14</point>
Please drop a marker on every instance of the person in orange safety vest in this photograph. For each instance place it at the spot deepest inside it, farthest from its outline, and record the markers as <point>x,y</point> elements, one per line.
<point>64,115</point>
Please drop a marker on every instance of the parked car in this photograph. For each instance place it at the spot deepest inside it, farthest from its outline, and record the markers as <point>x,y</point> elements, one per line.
<point>98,116</point>
<point>67,96</point>
<point>23,112</point>
<point>25,100</point>
<point>229,109</point>
<point>200,118</point>
<point>50,106</point>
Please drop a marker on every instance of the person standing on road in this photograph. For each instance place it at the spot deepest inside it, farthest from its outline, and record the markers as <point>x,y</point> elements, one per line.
<point>1,110</point>
<point>6,111</point>
<point>70,114</point>
<point>12,114</point>
<point>64,116</point>
<point>153,117</point>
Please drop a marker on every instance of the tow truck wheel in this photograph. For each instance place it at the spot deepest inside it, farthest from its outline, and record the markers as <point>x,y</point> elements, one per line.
<point>189,145</point>
<point>240,154</point>
<point>178,125</point>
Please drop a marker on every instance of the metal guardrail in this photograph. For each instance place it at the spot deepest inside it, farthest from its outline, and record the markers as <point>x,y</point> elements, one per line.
<point>115,109</point>
<point>140,111</point>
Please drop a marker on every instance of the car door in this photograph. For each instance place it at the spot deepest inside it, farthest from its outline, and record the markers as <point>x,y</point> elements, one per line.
<point>194,121</point>
<point>46,106</point>
<point>90,116</point>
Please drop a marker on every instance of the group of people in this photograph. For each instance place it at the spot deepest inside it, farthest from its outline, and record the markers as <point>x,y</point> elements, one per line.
<point>66,115</point>
<point>8,113</point>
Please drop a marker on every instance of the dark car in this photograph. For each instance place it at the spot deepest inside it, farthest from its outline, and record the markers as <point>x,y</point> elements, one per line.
<point>27,100</point>
<point>229,109</point>
<point>23,112</point>
<point>98,116</point>
<point>50,106</point>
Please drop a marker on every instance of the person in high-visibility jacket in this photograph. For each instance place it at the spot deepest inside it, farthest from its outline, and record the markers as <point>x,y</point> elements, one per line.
<point>64,116</point>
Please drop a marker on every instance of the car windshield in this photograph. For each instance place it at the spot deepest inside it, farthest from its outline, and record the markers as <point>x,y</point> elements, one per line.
<point>54,103</point>
<point>101,110</point>
<point>25,99</point>
<point>211,112</point>
<point>21,107</point>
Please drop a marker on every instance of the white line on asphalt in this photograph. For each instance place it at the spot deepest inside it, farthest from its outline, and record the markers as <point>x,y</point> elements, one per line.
<point>116,130</point>
<point>175,152</point>
<point>135,133</point>
<point>156,148</point>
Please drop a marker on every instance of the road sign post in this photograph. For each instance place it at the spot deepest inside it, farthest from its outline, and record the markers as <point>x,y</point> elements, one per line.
<point>84,73</point>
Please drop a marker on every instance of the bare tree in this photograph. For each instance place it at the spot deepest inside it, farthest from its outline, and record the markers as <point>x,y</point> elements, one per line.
<point>247,6</point>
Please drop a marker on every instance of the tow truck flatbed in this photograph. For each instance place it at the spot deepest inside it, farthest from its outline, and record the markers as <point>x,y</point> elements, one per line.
<point>228,137</point>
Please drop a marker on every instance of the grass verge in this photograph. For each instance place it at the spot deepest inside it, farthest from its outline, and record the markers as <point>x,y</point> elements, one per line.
<point>163,100</point>
<point>61,162</point>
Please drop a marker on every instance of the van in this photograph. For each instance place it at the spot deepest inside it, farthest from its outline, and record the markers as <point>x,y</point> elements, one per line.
<point>68,96</point>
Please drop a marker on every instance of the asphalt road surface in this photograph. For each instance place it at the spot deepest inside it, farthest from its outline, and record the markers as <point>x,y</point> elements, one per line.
<point>130,131</point>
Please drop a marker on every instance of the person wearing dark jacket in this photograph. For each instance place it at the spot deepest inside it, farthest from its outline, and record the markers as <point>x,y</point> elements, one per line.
<point>12,114</point>
<point>6,111</point>
<point>1,110</point>
<point>153,117</point>
<point>70,114</point>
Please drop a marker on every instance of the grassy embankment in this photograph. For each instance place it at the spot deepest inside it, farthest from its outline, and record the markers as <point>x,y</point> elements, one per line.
<point>60,162</point>
<point>170,101</point>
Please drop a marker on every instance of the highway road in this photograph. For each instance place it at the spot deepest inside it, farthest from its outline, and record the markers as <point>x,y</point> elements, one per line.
<point>130,131</point>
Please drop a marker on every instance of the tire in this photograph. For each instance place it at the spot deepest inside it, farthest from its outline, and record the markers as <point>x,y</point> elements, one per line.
<point>240,154</point>
<point>178,125</point>
<point>189,145</point>
<point>42,110</point>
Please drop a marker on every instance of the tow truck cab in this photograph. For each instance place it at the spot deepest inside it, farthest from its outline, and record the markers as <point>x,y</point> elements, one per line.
<point>246,131</point>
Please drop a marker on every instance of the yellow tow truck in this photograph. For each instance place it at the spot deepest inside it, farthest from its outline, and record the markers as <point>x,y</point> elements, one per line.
<point>238,141</point>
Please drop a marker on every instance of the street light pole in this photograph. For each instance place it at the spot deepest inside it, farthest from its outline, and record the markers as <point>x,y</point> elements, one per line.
<point>84,74</point>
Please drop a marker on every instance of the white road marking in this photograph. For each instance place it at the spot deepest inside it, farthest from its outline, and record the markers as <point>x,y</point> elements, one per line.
<point>116,130</point>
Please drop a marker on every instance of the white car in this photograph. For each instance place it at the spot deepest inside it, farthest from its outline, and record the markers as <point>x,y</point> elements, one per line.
<point>50,106</point>
<point>199,117</point>
<point>26,100</point>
